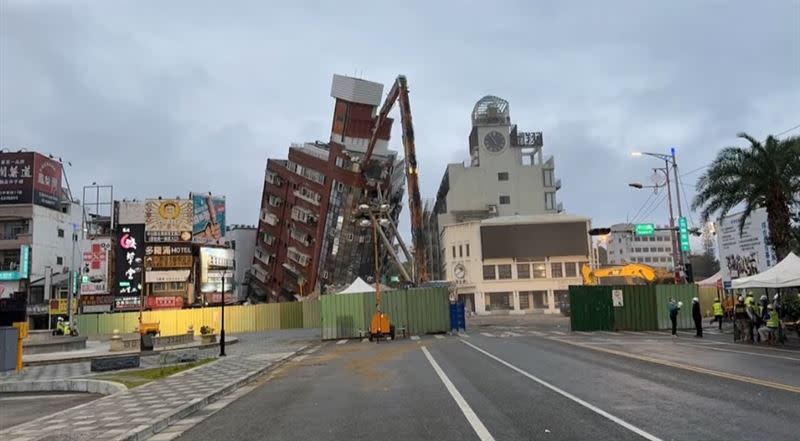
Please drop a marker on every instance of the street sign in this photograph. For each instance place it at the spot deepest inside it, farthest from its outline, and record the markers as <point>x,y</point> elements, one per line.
<point>644,229</point>
<point>683,234</point>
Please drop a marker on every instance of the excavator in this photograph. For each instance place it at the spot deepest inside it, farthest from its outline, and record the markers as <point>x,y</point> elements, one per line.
<point>630,274</point>
<point>380,325</point>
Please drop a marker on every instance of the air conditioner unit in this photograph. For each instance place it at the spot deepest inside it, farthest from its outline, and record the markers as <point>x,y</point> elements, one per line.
<point>492,209</point>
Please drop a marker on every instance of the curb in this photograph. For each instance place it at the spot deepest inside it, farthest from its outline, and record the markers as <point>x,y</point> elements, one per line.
<point>89,386</point>
<point>144,432</point>
<point>153,353</point>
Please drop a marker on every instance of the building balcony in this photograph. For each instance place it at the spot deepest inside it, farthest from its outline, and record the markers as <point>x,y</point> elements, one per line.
<point>274,179</point>
<point>13,242</point>
<point>269,219</point>
<point>264,258</point>
<point>306,197</point>
<point>260,273</point>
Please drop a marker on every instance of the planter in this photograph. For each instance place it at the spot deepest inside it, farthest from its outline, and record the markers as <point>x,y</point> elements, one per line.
<point>207,339</point>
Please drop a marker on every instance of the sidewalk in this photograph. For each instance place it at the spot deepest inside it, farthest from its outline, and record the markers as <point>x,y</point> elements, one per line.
<point>148,409</point>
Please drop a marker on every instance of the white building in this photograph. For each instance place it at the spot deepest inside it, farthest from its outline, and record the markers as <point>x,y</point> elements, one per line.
<point>516,264</point>
<point>507,175</point>
<point>625,247</point>
<point>242,239</point>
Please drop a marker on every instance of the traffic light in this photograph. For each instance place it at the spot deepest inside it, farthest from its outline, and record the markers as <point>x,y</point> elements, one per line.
<point>599,231</point>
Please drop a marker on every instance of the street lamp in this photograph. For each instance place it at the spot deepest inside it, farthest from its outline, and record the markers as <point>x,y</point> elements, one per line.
<point>222,327</point>
<point>670,160</point>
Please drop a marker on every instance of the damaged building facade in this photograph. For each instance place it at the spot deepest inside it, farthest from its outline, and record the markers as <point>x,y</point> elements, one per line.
<point>308,236</point>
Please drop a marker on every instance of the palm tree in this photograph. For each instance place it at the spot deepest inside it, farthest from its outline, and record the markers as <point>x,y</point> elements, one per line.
<point>761,175</point>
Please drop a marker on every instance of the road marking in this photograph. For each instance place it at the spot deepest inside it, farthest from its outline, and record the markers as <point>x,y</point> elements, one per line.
<point>461,334</point>
<point>342,341</point>
<point>584,333</point>
<point>568,395</point>
<point>486,334</point>
<point>300,357</point>
<point>514,334</point>
<point>440,337</point>
<point>472,418</point>
<point>726,375</point>
<point>537,333</point>
<point>415,337</point>
<point>558,333</point>
<point>39,396</point>
<point>633,332</point>
<point>757,354</point>
<point>311,351</point>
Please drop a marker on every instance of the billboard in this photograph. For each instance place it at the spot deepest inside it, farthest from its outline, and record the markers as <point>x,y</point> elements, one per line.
<point>96,303</point>
<point>208,222</point>
<point>30,178</point>
<point>746,254</point>
<point>129,255</point>
<point>130,212</point>
<point>94,266</point>
<point>168,256</point>
<point>168,220</point>
<point>216,263</point>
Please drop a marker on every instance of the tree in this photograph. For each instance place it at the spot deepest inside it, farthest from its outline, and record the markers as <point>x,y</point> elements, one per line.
<point>761,175</point>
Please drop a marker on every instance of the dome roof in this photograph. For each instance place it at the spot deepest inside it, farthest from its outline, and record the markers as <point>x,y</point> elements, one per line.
<point>490,109</point>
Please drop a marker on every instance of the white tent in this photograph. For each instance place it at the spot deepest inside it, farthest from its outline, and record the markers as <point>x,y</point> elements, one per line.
<point>711,281</point>
<point>358,286</point>
<point>785,274</point>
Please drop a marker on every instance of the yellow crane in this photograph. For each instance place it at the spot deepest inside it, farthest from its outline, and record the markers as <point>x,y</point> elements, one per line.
<point>630,274</point>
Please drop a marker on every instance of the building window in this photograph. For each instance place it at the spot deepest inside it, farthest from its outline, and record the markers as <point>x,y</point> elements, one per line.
<point>60,232</point>
<point>467,250</point>
<point>499,301</point>
<point>556,270</point>
<point>505,200</point>
<point>539,299</point>
<point>561,296</point>
<point>460,251</point>
<point>548,177</point>
<point>504,272</point>
<point>637,250</point>
<point>488,272</point>
<point>59,260</point>
<point>569,269</point>
<point>524,300</point>
<point>523,271</point>
<point>549,201</point>
<point>539,270</point>
<point>502,176</point>
<point>454,251</point>
<point>647,259</point>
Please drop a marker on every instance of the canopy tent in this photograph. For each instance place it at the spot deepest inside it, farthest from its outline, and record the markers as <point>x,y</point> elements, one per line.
<point>711,281</point>
<point>358,286</point>
<point>785,274</point>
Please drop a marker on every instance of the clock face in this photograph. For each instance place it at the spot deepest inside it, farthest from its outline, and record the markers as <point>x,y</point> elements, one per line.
<point>459,271</point>
<point>494,141</point>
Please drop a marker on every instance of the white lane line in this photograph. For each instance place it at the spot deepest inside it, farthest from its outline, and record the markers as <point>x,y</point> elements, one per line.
<point>558,333</point>
<point>514,334</point>
<point>756,354</point>
<point>568,395</point>
<point>472,418</point>
<point>440,337</point>
<point>311,351</point>
<point>461,334</point>
<point>487,334</point>
<point>537,333</point>
<point>415,337</point>
<point>342,341</point>
<point>300,357</point>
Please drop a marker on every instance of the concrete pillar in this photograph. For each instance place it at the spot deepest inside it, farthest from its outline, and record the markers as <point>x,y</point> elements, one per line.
<point>515,302</point>
<point>551,302</point>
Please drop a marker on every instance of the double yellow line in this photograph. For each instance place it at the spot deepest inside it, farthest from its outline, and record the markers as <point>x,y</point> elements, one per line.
<point>726,375</point>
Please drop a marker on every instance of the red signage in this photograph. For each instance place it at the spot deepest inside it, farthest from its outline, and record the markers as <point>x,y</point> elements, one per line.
<point>170,302</point>
<point>214,298</point>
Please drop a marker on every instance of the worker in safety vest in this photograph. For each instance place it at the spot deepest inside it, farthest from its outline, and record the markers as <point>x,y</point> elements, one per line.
<point>718,312</point>
<point>752,317</point>
<point>740,316</point>
<point>769,332</point>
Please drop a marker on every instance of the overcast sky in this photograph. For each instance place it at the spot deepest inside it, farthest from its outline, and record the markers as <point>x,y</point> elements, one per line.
<point>164,98</point>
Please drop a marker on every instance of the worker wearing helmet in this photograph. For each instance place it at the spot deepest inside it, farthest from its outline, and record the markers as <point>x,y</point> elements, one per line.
<point>719,313</point>
<point>768,333</point>
<point>740,317</point>
<point>697,316</point>
<point>752,317</point>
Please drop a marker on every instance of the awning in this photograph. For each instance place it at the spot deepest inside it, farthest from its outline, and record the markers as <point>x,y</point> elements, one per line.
<point>167,276</point>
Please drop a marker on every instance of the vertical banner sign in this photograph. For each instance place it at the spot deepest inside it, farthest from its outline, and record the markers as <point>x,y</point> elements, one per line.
<point>94,270</point>
<point>130,258</point>
<point>683,233</point>
<point>208,222</point>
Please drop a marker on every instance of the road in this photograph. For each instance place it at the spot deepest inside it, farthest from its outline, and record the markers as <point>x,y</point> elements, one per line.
<point>17,408</point>
<point>517,383</point>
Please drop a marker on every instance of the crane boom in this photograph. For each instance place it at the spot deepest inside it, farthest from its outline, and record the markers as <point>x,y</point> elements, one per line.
<point>399,92</point>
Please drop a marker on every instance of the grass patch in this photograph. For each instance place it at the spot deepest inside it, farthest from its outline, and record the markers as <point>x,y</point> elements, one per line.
<point>133,379</point>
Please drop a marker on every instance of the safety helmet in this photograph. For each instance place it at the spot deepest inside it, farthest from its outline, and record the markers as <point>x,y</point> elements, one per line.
<point>770,306</point>
<point>695,300</point>
<point>775,297</point>
<point>61,319</point>
<point>741,299</point>
<point>763,297</point>
<point>680,304</point>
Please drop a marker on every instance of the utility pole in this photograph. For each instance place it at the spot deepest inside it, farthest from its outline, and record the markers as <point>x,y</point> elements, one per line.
<point>71,291</point>
<point>684,259</point>
<point>222,327</point>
